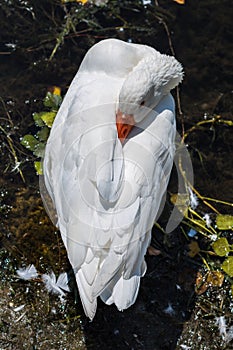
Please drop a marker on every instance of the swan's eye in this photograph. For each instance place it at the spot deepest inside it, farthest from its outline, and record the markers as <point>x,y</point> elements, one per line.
<point>142,103</point>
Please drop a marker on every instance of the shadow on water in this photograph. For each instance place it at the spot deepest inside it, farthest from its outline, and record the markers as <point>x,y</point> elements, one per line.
<point>166,298</point>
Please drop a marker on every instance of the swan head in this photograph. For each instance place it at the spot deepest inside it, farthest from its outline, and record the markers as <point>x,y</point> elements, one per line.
<point>151,79</point>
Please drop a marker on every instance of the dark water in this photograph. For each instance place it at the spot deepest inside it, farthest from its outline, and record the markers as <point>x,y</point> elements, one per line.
<point>201,36</point>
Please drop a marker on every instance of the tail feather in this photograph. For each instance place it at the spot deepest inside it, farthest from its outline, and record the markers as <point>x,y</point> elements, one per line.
<point>115,277</point>
<point>124,293</point>
<point>90,271</point>
<point>110,268</point>
<point>106,294</point>
<point>85,291</point>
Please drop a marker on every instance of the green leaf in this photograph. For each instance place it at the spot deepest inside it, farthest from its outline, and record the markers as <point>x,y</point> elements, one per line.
<point>48,118</point>
<point>37,119</point>
<point>181,201</point>
<point>38,167</point>
<point>227,266</point>
<point>221,247</point>
<point>30,142</point>
<point>52,100</point>
<point>43,134</point>
<point>224,222</point>
<point>39,149</point>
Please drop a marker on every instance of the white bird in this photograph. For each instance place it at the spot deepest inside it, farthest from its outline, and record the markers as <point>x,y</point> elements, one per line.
<point>107,164</point>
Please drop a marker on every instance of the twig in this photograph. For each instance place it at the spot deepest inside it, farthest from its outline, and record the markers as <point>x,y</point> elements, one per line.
<point>10,141</point>
<point>13,152</point>
<point>173,53</point>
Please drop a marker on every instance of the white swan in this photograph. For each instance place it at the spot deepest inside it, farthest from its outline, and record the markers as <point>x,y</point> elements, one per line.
<point>107,190</point>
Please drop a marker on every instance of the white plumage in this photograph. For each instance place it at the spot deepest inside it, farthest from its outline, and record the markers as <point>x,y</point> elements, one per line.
<point>107,193</point>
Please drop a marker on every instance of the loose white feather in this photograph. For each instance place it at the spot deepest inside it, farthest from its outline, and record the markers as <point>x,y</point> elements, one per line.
<point>56,286</point>
<point>27,273</point>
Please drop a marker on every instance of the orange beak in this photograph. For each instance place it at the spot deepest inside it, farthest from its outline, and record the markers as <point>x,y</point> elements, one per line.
<point>124,123</point>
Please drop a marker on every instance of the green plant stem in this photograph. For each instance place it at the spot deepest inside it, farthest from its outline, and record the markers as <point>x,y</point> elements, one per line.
<point>203,199</point>
<point>204,261</point>
<point>197,224</point>
<point>217,201</point>
<point>199,217</point>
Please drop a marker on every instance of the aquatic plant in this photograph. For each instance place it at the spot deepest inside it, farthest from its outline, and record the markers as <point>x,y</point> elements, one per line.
<point>44,121</point>
<point>212,229</point>
<point>84,18</point>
